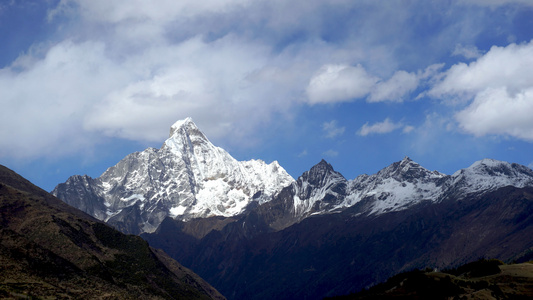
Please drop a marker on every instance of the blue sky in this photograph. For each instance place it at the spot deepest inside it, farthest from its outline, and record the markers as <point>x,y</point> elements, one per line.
<point>359,83</point>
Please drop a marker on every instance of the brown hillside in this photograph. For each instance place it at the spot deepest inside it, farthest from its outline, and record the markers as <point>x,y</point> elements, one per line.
<point>51,250</point>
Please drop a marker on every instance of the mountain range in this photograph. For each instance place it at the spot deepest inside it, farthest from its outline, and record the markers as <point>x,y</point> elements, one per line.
<point>253,231</point>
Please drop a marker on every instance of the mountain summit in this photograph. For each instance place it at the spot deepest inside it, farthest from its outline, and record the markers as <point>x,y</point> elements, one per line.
<point>187,177</point>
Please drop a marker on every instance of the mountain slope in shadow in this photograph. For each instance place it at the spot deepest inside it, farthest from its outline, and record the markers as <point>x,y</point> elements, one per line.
<point>51,250</point>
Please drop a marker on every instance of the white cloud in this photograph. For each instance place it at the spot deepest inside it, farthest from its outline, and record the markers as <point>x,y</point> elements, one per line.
<point>508,67</point>
<point>45,101</point>
<point>495,111</point>
<point>210,85</point>
<point>339,83</point>
<point>500,84</point>
<point>395,88</point>
<point>79,93</point>
<point>342,83</point>
<point>332,129</point>
<point>379,128</point>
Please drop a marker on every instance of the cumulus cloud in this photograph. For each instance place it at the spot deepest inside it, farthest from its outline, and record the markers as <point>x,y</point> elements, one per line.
<point>508,67</point>
<point>379,128</point>
<point>339,83</point>
<point>342,83</point>
<point>495,111</point>
<point>497,90</point>
<point>332,129</point>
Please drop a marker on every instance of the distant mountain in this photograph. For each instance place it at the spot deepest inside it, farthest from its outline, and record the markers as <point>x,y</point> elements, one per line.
<point>188,177</point>
<point>51,250</point>
<point>324,235</point>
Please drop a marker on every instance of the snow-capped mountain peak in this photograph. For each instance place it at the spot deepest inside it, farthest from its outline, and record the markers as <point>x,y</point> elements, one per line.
<point>187,177</point>
<point>186,127</point>
<point>496,167</point>
<point>318,190</point>
<point>408,170</point>
<point>320,174</point>
<point>489,174</point>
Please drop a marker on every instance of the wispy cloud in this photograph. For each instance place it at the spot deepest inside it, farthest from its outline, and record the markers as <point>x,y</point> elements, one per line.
<point>379,128</point>
<point>468,52</point>
<point>395,88</point>
<point>302,154</point>
<point>332,129</point>
<point>331,153</point>
<point>408,129</point>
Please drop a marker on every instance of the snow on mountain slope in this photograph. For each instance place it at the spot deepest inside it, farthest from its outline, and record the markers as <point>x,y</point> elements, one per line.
<point>187,177</point>
<point>397,186</point>
<point>318,190</point>
<point>490,174</point>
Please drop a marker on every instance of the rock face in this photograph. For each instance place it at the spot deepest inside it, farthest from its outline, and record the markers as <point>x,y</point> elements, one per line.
<point>188,177</point>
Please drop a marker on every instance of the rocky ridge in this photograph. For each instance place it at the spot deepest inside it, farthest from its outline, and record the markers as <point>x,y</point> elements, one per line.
<point>401,185</point>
